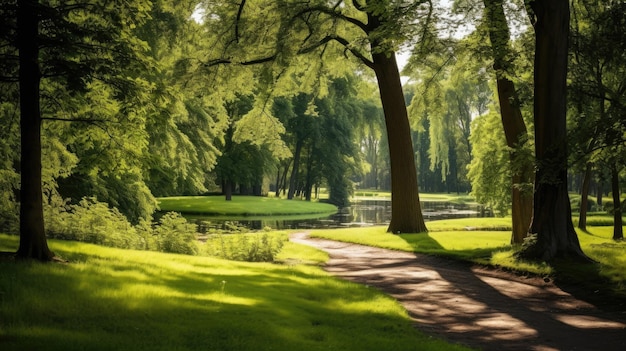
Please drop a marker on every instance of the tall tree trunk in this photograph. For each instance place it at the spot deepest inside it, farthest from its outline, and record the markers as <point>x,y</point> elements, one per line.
<point>227,189</point>
<point>278,181</point>
<point>618,231</point>
<point>308,186</point>
<point>294,170</point>
<point>552,214</point>
<point>33,242</point>
<point>406,213</point>
<point>284,181</point>
<point>375,166</point>
<point>584,202</point>
<point>512,121</point>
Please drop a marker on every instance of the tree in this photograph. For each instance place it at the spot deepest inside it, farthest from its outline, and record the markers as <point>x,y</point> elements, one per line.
<point>72,51</point>
<point>33,243</point>
<point>552,216</point>
<point>368,31</point>
<point>453,91</point>
<point>598,85</point>
<point>183,116</point>
<point>490,171</point>
<point>512,120</point>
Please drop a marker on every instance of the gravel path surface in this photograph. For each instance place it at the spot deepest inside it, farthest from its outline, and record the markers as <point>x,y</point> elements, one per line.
<point>477,306</point>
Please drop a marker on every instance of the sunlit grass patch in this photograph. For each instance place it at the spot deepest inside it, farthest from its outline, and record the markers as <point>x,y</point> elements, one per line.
<point>506,259</point>
<point>443,242</point>
<point>242,206</point>
<point>486,223</point>
<point>112,299</point>
<point>492,247</point>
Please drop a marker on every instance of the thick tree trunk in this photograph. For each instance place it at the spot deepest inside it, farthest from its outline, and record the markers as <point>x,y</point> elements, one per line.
<point>406,214</point>
<point>294,170</point>
<point>584,201</point>
<point>33,243</point>
<point>552,217</point>
<point>512,121</point>
<point>618,231</point>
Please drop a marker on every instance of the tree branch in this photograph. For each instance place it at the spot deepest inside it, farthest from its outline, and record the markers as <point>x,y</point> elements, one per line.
<point>224,61</point>
<point>84,120</point>
<point>335,14</point>
<point>239,12</point>
<point>358,6</point>
<point>341,41</point>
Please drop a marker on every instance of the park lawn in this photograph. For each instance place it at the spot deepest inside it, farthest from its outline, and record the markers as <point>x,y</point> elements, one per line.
<point>113,299</point>
<point>370,194</point>
<point>242,206</point>
<point>492,247</point>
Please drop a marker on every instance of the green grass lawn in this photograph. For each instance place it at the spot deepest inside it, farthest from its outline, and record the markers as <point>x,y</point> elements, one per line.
<point>113,299</point>
<point>243,206</point>
<point>449,238</point>
<point>371,194</point>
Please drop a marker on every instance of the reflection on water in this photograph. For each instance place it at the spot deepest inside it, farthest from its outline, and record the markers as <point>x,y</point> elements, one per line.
<point>360,213</point>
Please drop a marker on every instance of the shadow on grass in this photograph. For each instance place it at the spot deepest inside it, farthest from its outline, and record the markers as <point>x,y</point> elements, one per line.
<point>131,303</point>
<point>425,243</point>
<point>588,282</point>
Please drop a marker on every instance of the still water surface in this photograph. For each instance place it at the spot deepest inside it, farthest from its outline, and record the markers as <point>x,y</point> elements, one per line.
<point>360,213</point>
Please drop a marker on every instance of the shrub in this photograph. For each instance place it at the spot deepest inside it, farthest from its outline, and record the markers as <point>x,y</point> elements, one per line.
<point>575,202</point>
<point>254,247</point>
<point>90,221</point>
<point>174,234</point>
<point>9,211</point>
<point>95,222</point>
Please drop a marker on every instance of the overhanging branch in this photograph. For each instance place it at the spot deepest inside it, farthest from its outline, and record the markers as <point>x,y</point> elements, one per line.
<point>344,42</point>
<point>225,61</point>
<point>335,14</point>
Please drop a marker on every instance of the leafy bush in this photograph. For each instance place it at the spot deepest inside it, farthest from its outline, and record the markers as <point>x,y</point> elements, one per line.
<point>91,221</point>
<point>95,222</point>
<point>174,234</point>
<point>9,218</point>
<point>255,247</point>
<point>575,202</point>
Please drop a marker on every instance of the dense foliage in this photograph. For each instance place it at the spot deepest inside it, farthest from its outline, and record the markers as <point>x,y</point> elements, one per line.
<point>142,99</point>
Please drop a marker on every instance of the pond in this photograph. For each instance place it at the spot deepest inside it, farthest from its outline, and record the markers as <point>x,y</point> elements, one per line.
<point>360,213</point>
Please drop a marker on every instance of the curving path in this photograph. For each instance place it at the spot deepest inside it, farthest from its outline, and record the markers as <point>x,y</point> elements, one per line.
<point>477,306</point>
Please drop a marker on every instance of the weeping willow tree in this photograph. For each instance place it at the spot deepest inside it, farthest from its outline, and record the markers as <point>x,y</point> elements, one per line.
<point>448,97</point>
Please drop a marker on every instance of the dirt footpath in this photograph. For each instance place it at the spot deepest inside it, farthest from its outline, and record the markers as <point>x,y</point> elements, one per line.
<point>477,306</point>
